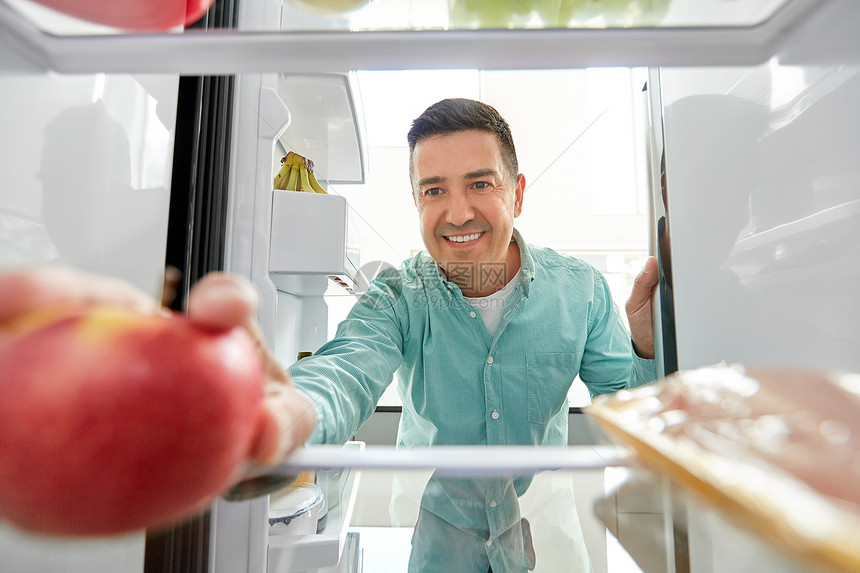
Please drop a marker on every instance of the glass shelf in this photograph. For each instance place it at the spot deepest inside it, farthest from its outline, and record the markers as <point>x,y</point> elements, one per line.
<point>413,15</point>
<point>380,15</point>
<point>278,36</point>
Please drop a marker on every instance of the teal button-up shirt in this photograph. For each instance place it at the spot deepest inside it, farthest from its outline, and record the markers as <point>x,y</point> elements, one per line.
<point>458,385</point>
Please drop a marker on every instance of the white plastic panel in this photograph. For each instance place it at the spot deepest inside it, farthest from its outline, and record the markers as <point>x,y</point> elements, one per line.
<point>327,126</point>
<point>309,236</point>
<point>24,553</point>
<point>764,205</point>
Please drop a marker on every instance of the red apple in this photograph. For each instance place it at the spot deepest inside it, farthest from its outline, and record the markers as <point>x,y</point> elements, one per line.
<point>150,15</point>
<point>196,9</point>
<point>112,421</point>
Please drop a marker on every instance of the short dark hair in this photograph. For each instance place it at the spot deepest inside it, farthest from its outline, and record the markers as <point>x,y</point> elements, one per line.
<point>461,114</point>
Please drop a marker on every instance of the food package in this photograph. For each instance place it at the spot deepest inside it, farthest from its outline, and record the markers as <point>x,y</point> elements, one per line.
<point>775,450</point>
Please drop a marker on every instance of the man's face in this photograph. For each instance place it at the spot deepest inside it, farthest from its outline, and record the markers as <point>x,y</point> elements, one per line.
<point>466,200</point>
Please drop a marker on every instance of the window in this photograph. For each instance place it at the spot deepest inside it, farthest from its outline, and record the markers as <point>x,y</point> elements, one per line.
<point>579,139</point>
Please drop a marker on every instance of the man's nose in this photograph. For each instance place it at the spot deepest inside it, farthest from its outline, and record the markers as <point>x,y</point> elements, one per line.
<point>460,209</point>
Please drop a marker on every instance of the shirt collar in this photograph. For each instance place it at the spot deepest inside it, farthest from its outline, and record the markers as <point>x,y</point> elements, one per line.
<point>527,263</point>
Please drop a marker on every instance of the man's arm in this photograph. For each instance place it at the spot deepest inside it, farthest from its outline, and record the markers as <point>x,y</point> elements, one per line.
<point>347,375</point>
<point>609,362</point>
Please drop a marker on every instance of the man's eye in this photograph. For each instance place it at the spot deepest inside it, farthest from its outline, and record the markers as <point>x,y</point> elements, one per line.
<point>482,185</point>
<point>432,192</point>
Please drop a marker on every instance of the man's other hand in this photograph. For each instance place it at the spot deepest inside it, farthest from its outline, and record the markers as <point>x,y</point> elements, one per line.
<point>638,309</point>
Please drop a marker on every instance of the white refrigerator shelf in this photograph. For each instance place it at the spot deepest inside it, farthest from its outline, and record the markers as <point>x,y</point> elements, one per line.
<point>291,553</point>
<point>457,460</point>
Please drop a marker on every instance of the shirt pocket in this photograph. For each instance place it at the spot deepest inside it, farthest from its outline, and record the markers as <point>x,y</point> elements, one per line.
<point>548,377</point>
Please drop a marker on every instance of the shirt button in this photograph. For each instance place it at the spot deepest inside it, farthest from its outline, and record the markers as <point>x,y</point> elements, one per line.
<point>473,314</point>
<point>493,503</point>
<point>489,542</point>
<point>490,360</point>
<point>495,414</point>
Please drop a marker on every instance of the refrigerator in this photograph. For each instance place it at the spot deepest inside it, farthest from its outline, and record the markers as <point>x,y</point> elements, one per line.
<point>127,151</point>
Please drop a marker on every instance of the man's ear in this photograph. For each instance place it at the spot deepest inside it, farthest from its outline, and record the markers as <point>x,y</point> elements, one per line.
<point>519,190</point>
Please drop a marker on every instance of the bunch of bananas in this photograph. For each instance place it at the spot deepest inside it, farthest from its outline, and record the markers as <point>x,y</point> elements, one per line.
<point>297,174</point>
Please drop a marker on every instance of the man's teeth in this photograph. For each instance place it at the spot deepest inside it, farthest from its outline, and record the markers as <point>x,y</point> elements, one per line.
<point>464,238</point>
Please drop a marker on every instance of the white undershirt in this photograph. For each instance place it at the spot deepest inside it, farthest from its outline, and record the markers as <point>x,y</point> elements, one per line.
<point>491,307</point>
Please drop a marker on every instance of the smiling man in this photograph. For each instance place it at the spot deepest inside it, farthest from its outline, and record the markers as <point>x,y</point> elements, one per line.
<point>467,199</point>
<point>485,334</point>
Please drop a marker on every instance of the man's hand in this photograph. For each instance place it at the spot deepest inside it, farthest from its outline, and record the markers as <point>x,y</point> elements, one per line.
<point>217,300</point>
<point>638,309</point>
<point>224,301</point>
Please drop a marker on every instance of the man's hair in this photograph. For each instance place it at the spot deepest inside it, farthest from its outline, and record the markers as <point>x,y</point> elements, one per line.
<point>459,114</point>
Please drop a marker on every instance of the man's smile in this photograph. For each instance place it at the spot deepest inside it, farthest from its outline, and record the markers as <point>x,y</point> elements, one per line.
<point>463,238</point>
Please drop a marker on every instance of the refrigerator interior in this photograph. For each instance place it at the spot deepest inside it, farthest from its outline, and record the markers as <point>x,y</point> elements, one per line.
<point>752,105</point>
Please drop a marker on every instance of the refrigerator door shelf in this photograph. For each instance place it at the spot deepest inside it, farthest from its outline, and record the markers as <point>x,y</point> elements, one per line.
<point>311,243</point>
<point>327,124</point>
<point>289,553</point>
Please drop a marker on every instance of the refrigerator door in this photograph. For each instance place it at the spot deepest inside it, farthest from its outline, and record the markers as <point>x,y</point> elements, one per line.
<point>86,161</point>
<point>763,201</point>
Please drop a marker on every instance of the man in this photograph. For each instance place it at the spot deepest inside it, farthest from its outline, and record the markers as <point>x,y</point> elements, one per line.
<point>485,332</point>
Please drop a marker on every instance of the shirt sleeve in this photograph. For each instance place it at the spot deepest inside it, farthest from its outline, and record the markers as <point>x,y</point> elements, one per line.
<point>347,375</point>
<point>609,362</point>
